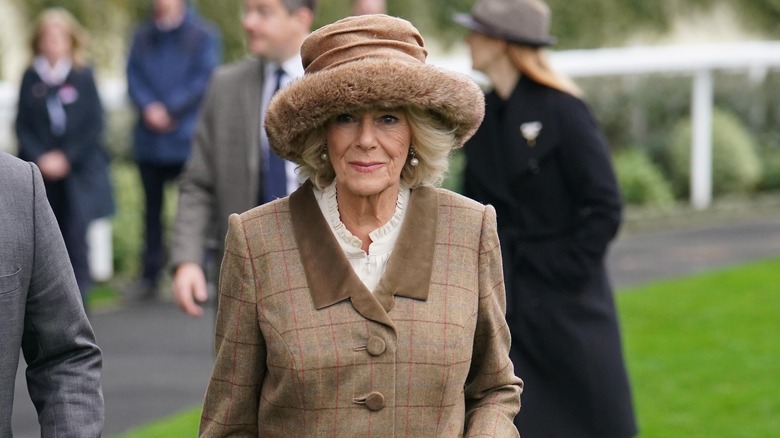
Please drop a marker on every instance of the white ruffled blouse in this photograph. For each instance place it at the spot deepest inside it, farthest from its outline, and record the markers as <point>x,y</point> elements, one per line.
<point>369,267</point>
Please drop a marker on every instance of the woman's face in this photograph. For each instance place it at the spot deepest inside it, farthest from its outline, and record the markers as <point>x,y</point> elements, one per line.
<point>485,51</point>
<point>368,150</point>
<point>55,41</point>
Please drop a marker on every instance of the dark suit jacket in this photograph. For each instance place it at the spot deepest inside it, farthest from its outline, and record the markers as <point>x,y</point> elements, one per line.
<point>305,350</point>
<point>88,187</point>
<point>558,208</point>
<point>41,314</point>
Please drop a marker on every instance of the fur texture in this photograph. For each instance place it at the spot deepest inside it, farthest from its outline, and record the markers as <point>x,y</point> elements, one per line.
<point>371,82</point>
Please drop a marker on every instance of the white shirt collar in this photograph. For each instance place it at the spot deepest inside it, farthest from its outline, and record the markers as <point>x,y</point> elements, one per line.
<point>293,68</point>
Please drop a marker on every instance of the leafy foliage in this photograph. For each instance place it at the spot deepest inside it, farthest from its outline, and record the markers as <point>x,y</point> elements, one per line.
<point>640,181</point>
<point>127,222</point>
<point>761,14</point>
<point>735,164</point>
<point>770,165</point>
<point>583,24</point>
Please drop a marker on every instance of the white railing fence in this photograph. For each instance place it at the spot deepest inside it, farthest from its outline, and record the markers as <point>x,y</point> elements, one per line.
<point>699,62</point>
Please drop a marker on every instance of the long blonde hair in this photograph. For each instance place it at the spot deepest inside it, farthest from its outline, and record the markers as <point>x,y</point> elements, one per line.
<point>533,62</point>
<point>77,33</point>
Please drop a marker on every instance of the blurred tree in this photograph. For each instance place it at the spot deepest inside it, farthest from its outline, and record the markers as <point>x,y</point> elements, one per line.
<point>581,24</point>
<point>763,14</point>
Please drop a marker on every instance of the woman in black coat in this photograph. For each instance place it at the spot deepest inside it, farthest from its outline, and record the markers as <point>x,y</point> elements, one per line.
<point>541,160</point>
<point>59,126</point>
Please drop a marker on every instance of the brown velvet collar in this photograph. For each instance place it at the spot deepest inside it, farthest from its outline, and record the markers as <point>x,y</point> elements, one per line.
<point>331,278</point>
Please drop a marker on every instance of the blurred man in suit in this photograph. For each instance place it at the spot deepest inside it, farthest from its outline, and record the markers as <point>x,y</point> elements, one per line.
<point>232,169</point>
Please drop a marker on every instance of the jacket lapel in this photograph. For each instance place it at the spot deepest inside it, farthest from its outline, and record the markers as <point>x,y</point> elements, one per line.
<point>410,266</point>
<point>331,278</point>
<point>528,105</point>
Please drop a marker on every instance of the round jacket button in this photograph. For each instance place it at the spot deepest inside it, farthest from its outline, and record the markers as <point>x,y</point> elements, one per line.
<point>376,346</point>
<point>375,401</point>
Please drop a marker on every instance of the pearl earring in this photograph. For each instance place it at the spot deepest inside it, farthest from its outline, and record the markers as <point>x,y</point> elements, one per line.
<point>324,154</point>
<point>414,161</point>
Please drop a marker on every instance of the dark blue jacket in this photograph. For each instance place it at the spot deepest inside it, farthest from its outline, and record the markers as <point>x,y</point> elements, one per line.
<point>172,67</point>
<point>88,186</point>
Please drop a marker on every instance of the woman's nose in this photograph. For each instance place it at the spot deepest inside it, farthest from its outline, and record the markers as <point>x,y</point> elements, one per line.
<point>367,136</point>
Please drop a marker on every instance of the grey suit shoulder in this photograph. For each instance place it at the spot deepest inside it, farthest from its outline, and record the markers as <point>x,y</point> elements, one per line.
<point>41,314</point>
<point>238,71</point>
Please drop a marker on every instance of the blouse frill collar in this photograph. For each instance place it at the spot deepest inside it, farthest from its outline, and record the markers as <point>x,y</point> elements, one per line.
<point>329,197</point>
<point>329,274</point>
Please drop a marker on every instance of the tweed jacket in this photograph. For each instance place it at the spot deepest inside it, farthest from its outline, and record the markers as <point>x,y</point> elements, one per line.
<point>305,350</point>
<point>222,175</point>
<point>41,314</point>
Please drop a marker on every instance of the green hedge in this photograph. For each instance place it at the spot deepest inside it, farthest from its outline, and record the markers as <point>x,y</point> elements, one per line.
<point>735,164</point>
<point>127,223</point>
<point>641,182</point>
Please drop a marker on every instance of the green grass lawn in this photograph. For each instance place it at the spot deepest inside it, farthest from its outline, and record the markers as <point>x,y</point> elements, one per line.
<point>183,424</point>
<point>703,354</point>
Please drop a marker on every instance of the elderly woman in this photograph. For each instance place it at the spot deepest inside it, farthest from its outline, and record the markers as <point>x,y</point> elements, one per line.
<point>59,125</point>
<point>368,301</point>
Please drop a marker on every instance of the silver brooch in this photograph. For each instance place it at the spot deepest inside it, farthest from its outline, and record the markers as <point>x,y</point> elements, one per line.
<point>530,131</point>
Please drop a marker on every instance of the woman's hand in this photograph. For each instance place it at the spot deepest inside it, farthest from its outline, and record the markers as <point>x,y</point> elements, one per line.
<point>54,165</point>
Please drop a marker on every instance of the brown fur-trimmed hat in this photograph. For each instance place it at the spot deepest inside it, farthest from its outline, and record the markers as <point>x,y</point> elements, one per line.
<point>368,61</point>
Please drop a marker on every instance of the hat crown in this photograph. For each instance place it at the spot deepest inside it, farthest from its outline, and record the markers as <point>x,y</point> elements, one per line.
<point>360,37</point>
<point>518,20</point>
<point>368,61</point>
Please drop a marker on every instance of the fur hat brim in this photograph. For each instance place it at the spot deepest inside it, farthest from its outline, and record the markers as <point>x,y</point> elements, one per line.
<point>309,102</point>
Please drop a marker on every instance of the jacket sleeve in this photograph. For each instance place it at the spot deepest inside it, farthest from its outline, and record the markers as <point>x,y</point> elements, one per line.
<point>197,202</point>
<point>138,86</point>
<point>233,394</point>
<point>30,142</point>
<point>492,390</point>
<point>63,362</point>
<point>590,178</point>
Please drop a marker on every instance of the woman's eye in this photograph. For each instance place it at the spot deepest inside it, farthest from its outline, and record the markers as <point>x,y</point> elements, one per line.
<point>388,119</point>
<point>344,118</point>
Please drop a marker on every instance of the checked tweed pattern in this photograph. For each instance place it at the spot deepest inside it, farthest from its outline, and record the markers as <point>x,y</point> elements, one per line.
<point>305,350</point>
